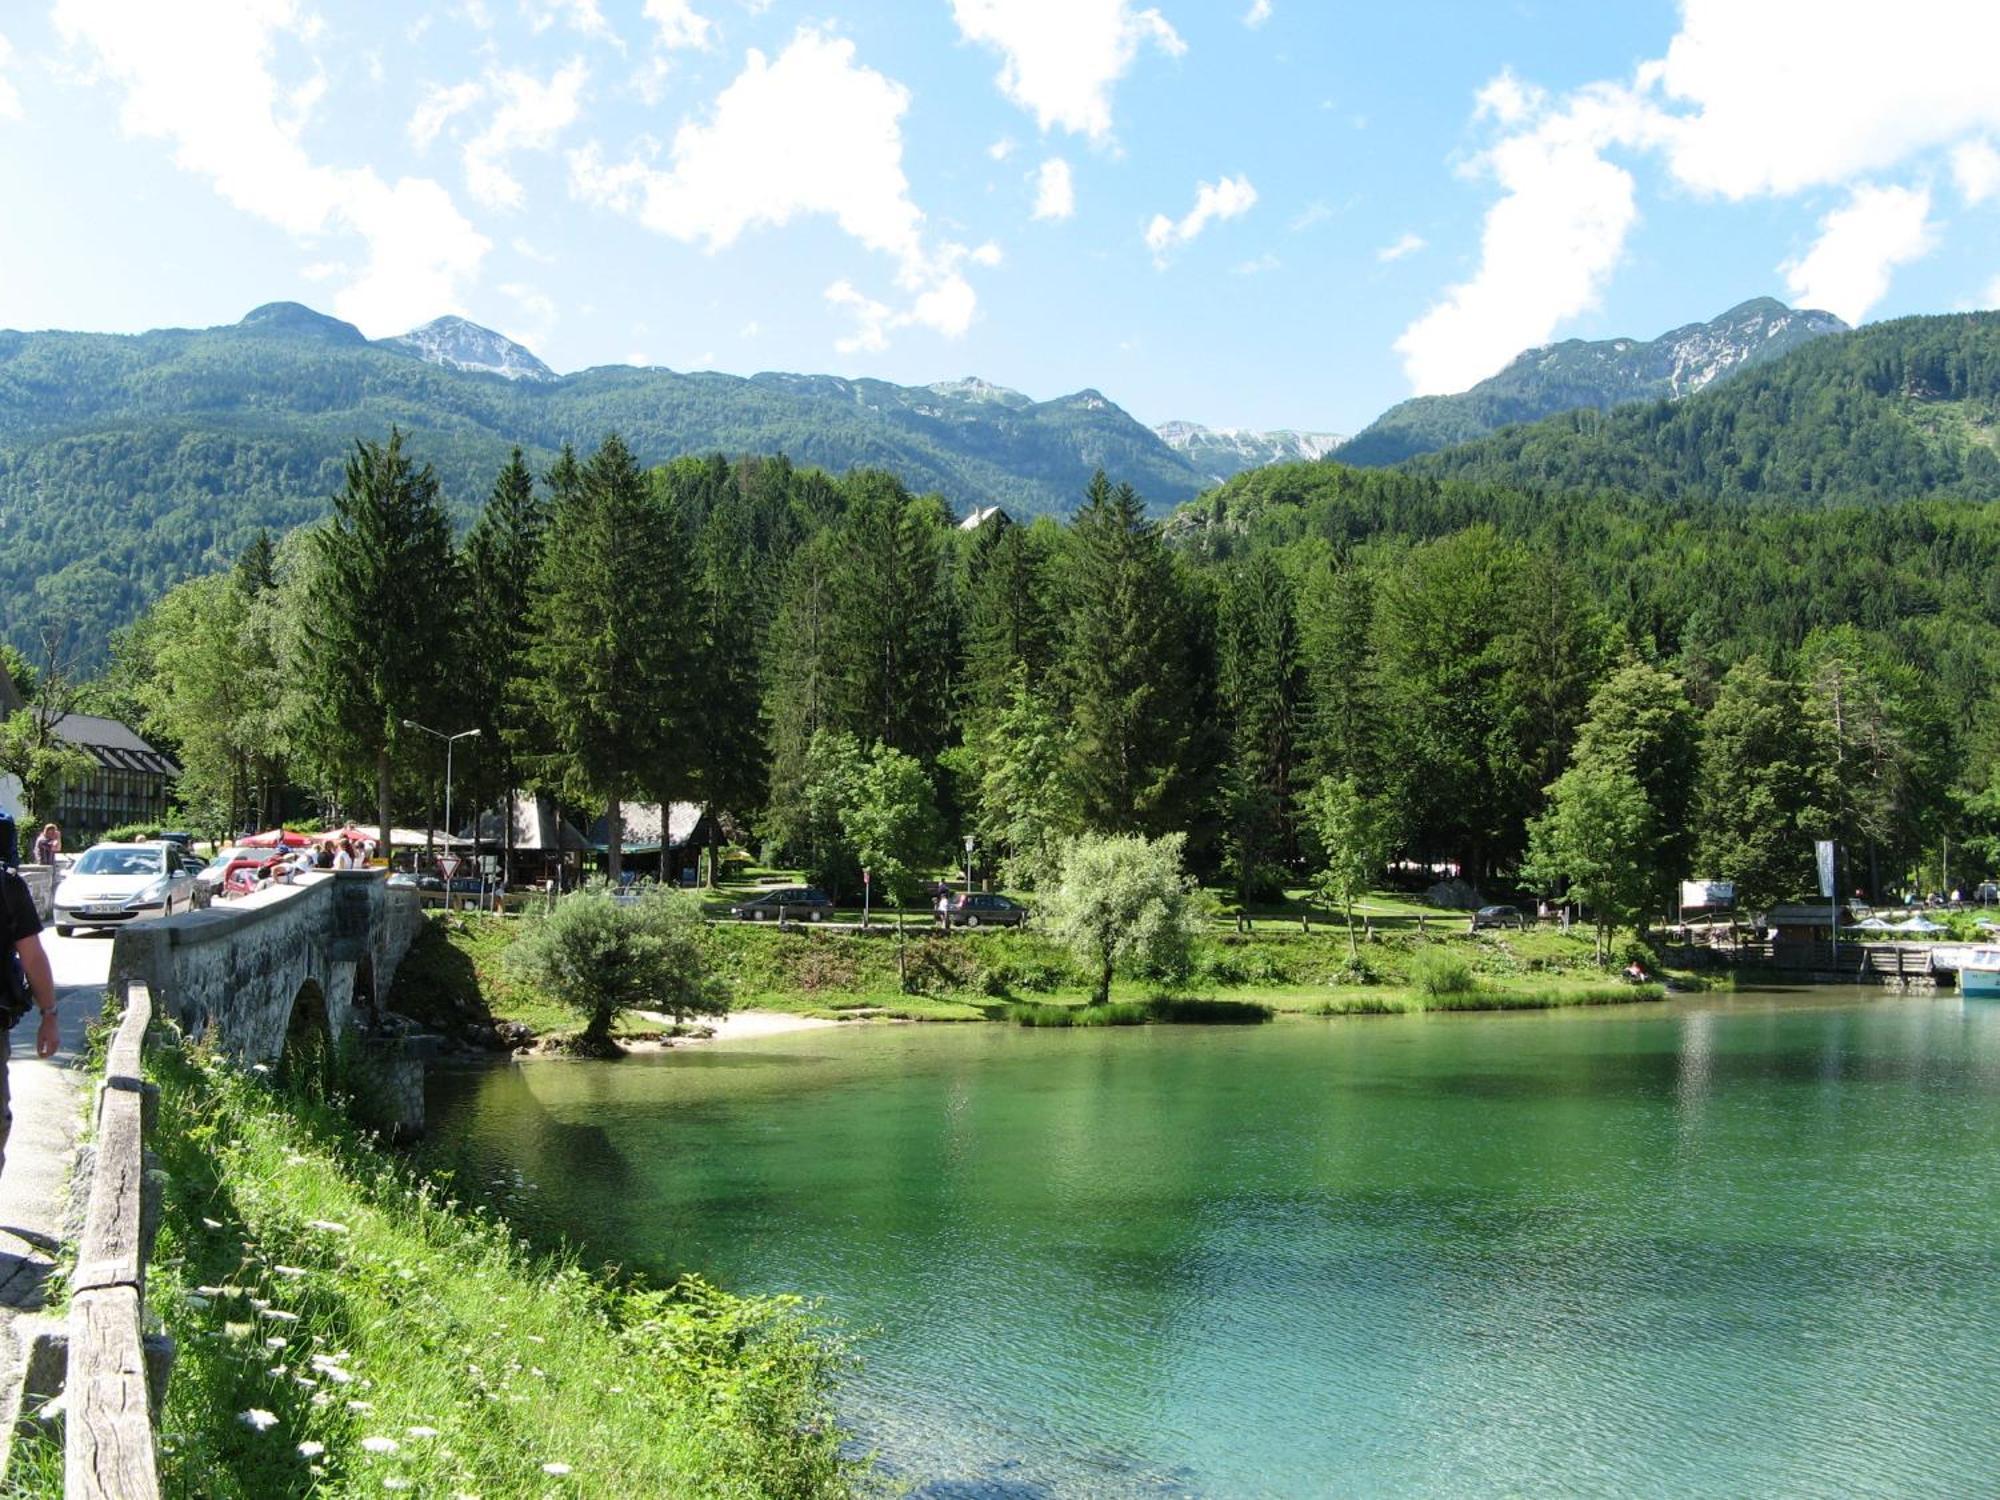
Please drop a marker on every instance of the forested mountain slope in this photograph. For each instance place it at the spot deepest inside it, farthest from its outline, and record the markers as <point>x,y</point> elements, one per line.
<point>128,462</point>
<point>1895,411</point>
<point>1597,374</point>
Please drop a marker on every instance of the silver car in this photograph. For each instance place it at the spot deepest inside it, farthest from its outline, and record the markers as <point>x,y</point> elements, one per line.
<point>111,884</point>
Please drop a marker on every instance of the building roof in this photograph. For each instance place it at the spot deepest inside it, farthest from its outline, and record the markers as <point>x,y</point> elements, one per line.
<point>117,746</point>
<point>641,831</point>
<point>980,515</point>
<point>537,828</point>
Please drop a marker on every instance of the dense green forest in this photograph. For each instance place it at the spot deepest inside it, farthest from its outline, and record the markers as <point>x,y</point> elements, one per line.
<point>1595,374</point>
<point>1893,411</point>
<point>1473,674</point>
<point>129,463</point>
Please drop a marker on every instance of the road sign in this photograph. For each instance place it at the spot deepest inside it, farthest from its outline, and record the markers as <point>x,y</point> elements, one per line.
<point>447,865</point>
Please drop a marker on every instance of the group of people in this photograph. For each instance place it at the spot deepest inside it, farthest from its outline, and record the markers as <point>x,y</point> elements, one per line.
<point>341,853</point>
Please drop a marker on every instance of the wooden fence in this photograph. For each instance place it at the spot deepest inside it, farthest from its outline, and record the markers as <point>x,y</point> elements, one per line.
<point>108,1406</point>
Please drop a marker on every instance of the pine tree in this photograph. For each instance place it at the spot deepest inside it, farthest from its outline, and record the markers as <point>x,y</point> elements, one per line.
<point>501,555</point>
<point>1753,789</point>
<point>381,597</point>
<point>802,687</point>
<point>1123,665</point>
<point>1262,687</point>
<point>608,666</point>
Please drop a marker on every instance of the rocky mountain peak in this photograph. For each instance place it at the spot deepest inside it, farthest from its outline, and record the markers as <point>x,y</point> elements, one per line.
<point>459,344</point>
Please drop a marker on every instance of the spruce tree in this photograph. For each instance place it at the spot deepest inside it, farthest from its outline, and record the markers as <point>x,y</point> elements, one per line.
<point>1262,687</point>
<point>501,555</point>
<point>608,665</point>
<point>381,598</point>
<point>1123,663</point>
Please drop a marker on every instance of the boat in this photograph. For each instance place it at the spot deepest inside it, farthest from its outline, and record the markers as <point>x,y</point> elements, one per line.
<point>1979,974</point>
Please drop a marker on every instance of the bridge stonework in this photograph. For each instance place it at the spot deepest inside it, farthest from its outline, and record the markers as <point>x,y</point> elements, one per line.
<point>246,977</point>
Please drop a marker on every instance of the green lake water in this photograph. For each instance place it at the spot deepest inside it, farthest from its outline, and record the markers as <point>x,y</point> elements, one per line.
<point>1747,1245</point>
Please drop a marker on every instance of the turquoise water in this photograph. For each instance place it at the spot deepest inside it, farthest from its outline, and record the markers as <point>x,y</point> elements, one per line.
<point>1740,1246</point>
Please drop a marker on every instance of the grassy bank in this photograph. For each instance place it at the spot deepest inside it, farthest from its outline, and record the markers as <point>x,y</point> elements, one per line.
<point>1006,975</point>
<point>348,1328</point>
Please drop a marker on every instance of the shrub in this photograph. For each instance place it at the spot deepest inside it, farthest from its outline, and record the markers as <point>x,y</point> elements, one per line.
<point>1440,974</point>
<point>1123,900</point>
<point>132,833</point>
<point>601,956</point>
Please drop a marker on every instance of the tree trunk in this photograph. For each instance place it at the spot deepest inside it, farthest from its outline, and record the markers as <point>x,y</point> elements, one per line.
<point>1353,950</point>
<point>382,799</point>
<point>1104,982</point>
<point>507,837</point>
<point>714,848</point>
<point>614,836</point>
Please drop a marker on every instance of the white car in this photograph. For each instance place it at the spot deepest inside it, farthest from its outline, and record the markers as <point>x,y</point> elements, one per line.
<point>114,883</point>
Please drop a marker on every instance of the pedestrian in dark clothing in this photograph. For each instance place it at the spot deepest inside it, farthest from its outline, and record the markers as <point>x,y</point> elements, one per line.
<point>23,926</point>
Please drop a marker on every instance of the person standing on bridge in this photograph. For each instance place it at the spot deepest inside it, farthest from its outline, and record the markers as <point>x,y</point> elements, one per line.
<point>31,966</point>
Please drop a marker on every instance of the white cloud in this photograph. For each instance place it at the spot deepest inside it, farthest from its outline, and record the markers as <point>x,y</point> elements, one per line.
<point>1975,167</point>
<point>581,16</point>
<point>750,330</point>
<point>530,116</point>
<point>1767,100</point>
<point>439,106</point>
<point>527,250</point>
<point>1408,243</point>
<point>1060,58</point>
<point>199,77</point>
<point>10,98</point>
<point>1546,251</point>
<point>1847,270</point>
<point>1781,97</point>
<point>1992,297</point>
<point>1258,13</point>
<point>810,132</point>
<point>1001,149</point>
<point>1258,265</point>
<point>1226,198</point>
<point>871,319</point>
<point>1055,190</point>
<point>676,24</point>
<point>537,315</point>
<point>1311,214</point>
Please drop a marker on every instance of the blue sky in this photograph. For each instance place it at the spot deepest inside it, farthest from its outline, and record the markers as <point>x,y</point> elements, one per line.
<point>1243,212</point>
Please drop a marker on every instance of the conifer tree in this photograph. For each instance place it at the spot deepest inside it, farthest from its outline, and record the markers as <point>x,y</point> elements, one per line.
<point>379,623</point>
<point>608,664</point>
<point>1123,664</point>
<point>501,555</point>
<point>1262,686</point>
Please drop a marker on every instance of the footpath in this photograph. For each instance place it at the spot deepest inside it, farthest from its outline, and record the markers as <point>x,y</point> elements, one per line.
<point>48,1111</point>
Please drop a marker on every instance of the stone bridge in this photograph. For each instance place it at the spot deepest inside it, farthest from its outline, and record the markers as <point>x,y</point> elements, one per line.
<point>313,961</point>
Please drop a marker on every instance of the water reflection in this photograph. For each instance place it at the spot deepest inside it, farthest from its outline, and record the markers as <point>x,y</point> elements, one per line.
<point>1732,1245</point>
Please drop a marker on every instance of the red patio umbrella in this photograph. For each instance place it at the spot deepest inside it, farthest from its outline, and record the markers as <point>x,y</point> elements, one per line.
<point>276,838</point>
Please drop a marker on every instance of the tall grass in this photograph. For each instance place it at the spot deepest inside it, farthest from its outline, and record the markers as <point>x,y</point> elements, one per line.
<point>1163,1010</point>
<point>1441,975</point>
<point>348,1327</point>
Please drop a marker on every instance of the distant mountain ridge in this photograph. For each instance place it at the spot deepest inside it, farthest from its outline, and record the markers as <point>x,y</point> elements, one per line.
<point>128,462</point>
<point>1222,452</point>
<point>1900,410</point>
<point>1597,374</point>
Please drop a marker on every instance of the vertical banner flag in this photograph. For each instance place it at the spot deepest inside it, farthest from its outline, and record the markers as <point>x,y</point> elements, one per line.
<point>1824,848</point>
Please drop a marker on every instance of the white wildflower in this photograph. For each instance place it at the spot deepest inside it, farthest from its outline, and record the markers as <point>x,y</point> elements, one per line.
<point>326,1226</point>
<point>421,1432</point>
<point>276,1341</point>
<point>208,1223</point>
<point>289,1270</point>
<point>556,1469</point>
<point>311,1449</point>
<point>279,1315</point>
<point>396,1482</point>
<point>257,1419</point>
<point>380,1444</point>
<point>360,1406</point>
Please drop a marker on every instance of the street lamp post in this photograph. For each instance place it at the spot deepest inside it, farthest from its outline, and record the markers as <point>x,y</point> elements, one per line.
<point>968,864</point>
<point>449,741</point>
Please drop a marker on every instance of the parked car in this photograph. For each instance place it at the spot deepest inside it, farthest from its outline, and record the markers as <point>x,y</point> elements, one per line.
<point>1498,916</point>
<point>981,909</point>
<point>409,880</point>
<point>112,884</point>
<point>809,902</point>
<point>208,879</point>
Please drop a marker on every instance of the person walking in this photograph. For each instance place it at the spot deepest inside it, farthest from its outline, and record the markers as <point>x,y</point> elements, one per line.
<point>48,844</point>
<point>24,938</point>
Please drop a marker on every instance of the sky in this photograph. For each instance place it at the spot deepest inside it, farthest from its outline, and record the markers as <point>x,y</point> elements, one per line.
<point>1262,213</point>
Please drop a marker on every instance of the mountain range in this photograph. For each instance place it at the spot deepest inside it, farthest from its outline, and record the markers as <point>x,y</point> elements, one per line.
<point>1595,374</point>
<point>130,462</point>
